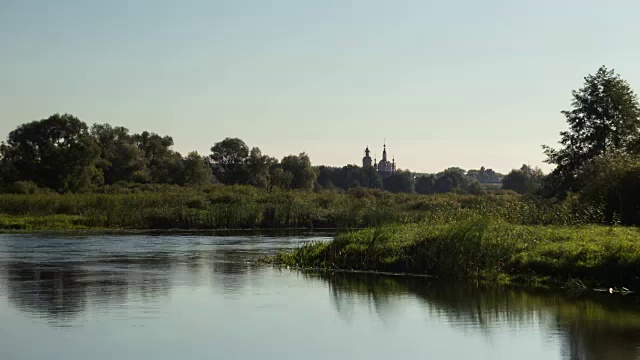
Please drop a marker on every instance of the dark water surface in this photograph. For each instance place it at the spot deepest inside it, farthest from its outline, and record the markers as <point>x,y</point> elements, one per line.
<point>203,297</point>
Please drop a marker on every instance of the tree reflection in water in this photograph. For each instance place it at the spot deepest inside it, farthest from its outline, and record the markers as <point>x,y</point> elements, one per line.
<point>594,326</point>
<point>59,292</point>
<point>59,289</point>
<point>39,279</point>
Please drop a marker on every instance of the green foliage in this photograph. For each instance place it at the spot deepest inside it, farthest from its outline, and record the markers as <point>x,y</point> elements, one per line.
<point>426,184</point>
<point>259,171</point>
<point>149,206</point>
<point>612,182</point>
<point>475,188</point>
<point>303,174</point>
<point>523,180</point>
<point>485,176</point>
<point>280,178</point>
<point>164,166</point>
<point>348,177</point>
<point>195,170</point>
<point>24,187</point>
<point>230,155</point>
<point>57,152</point>
<point>482,249</point>
<point>399,181</point>
<point>120,158</point>
<point>450,180</point>
<point>605,118</point>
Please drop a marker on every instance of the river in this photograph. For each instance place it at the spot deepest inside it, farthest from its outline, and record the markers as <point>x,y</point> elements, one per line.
<point>204,297</point>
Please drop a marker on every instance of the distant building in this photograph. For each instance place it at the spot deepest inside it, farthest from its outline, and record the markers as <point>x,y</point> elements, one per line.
<point>384,167</point>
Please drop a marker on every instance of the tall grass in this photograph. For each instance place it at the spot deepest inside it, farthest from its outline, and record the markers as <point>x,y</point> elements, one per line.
<point>244,207</point>
<point>483,249</point>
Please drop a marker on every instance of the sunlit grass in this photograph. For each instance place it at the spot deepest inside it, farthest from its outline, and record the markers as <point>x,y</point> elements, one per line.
<point>483,249</point>
<point>244,207</point>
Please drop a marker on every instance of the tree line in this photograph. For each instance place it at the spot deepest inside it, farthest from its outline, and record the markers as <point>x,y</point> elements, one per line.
<point>64,154</point>
<point>598,161</point>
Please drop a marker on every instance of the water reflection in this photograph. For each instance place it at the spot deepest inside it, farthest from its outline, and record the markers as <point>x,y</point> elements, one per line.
<point>63,279</point>
<point>60,292</point>
<point>59,278</point>
<point>51,291</point>
<point>592,327</point>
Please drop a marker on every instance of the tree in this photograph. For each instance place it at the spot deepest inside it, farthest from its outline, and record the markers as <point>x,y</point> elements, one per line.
<point>399,181</point>
<point>613,184</point>
<point>370,178</point>
<point>57,153</point>
<point>164,165</point>
<point>475,188</point>
<point>304,176</point>
<point>515,180</point>
<point>326,176</point>
<point>605,117</point>
<point>230,155</point>
<point>484,175</point>
<point>258,168</point>
<point>120,158</point>
<point>195,170</point>
<point>450,180</point>
<point>280,178</point>
<point>347,177</point>
<point>523,180</point>
<point>425,184</point>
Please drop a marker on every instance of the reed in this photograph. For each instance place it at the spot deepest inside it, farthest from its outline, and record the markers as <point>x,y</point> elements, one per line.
<point>483,249</point>
<point>244,207</point>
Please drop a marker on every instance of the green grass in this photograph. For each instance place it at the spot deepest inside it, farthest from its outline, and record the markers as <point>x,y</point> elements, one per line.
<point>244,207</point>
<point>45,222</point>
<point>483,249</point>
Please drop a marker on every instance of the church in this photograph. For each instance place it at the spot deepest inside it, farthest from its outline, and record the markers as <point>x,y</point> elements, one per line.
<point>384,167</point>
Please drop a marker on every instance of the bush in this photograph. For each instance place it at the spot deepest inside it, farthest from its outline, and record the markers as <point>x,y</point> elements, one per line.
<point>24,187</point>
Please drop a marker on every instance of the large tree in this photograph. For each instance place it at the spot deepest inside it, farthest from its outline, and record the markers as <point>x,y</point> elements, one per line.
<point>164,165</point>
<point>230,156</point>
<point>57,153</point>
<point>612,183</point>
<point>195,170</point>
<point>258,168</point>
<point>121,159</point>
<point>370,178</point>
<point>399,181</point>
<point>523,180</point>
<point>484,175</point>
<point>449,180</point>
<point>304,176</point>
<point>605,118</point>
<point>425,184</point>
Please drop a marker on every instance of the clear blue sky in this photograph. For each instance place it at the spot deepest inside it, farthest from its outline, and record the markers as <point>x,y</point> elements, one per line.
<point>447,83</point>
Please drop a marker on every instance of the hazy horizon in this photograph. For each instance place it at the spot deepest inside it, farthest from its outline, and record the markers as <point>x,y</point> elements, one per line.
<point>446,84</point>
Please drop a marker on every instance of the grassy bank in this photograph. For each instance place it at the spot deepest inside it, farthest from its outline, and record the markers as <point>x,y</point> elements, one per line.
<point>244,207</point>
<point>482,249</point>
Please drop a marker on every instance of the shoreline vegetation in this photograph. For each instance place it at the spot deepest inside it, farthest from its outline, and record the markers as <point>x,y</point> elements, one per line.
<point>220,207</point>
<point>484,249</point>
<point>502,237</point>
<point>565,227</point>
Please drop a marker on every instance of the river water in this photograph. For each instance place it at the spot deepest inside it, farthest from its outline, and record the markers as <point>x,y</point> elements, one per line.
<point>204,297</point>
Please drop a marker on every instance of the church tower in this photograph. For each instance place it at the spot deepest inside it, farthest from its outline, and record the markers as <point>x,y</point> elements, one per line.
<point>366,160</point>
<point>384,167</point>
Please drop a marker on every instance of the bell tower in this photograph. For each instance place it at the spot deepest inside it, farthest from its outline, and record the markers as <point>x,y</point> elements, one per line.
<point>366,160</point>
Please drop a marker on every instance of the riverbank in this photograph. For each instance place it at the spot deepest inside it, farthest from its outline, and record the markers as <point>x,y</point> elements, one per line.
<point>245,207</point>
<point>481,249</point>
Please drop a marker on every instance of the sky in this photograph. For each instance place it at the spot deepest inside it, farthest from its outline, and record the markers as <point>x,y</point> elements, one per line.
<point>445,83</point>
